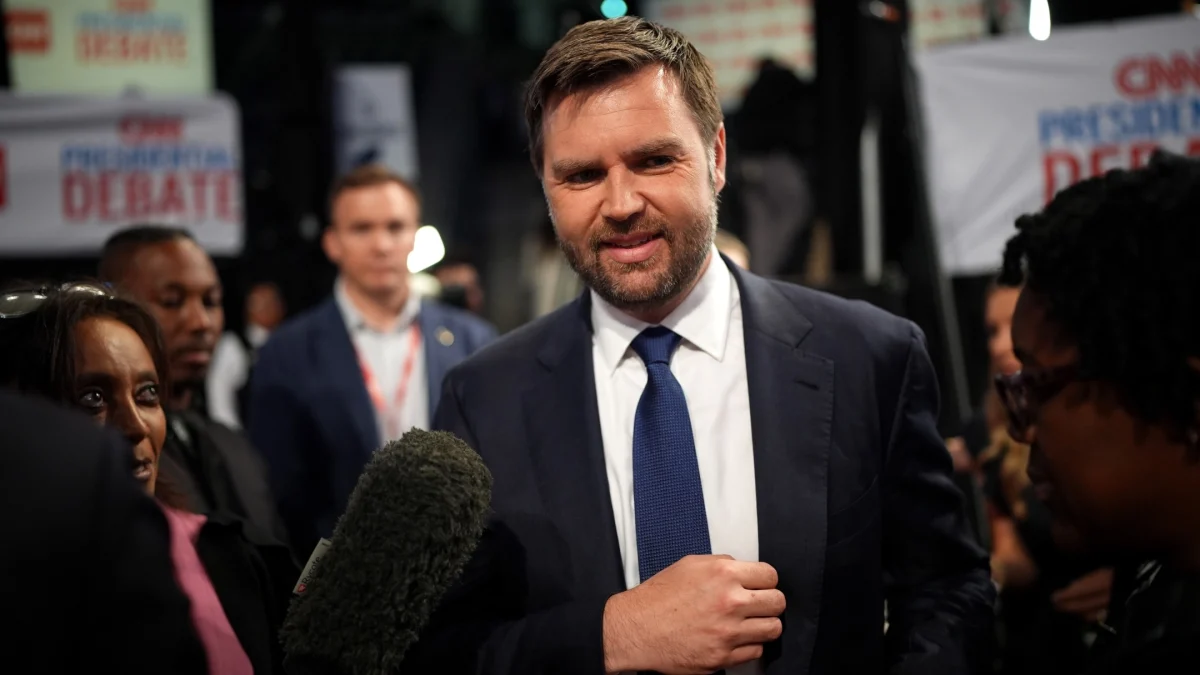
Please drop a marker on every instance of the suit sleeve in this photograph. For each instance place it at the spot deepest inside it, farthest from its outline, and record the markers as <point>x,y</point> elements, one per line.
<point>939,590</point>
<point>475,630</point>
<point>277,432</point>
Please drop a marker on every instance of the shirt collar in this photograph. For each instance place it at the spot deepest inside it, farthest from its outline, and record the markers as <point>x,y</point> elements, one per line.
<point>256,335</point>
<point>702,319</point>
<point>354,320</point>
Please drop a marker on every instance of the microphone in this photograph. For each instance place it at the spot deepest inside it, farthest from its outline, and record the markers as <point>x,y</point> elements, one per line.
<point>413,520</point>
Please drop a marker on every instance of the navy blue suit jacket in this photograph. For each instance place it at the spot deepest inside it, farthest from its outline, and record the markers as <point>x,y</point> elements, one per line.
<point>855,499</point>
<point>311,415</point>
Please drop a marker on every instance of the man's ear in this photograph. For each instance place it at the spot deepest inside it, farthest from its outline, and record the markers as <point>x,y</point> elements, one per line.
<point>718,156</point>
<point>330,244</point>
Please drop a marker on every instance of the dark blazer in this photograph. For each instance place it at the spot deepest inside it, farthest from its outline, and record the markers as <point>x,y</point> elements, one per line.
<point>253,577</point>
<point>86,577</point>
<point>220,473</point>
<point>855,501</point>
<point>311,415</point>
<point>1156,625</point>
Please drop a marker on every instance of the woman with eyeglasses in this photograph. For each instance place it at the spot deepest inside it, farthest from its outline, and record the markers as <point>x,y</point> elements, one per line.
<point>1107,330</point>
<point>81,346</point>
<point>1050,601</point>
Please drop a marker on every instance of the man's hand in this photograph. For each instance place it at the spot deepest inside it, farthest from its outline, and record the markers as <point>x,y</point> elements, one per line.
<point>1087,596</point>
<point>960,455</point>
<point>700,615</point>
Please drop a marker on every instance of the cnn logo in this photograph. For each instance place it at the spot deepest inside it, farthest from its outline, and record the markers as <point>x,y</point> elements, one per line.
<point>27,31</point>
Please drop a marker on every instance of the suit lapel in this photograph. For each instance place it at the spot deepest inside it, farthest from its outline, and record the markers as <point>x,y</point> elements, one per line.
<point>791,413</point>
<point>338,362</point>
<point>568,455</point>
<point>441,348</point>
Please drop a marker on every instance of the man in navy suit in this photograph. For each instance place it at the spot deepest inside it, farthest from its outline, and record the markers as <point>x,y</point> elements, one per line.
<point>695,468</point>
<point>337,382</point>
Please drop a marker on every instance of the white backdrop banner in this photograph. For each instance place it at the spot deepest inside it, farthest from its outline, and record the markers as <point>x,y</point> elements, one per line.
<point>73,170</point>
<point>374,118</point>
<point>109,46</point>
<point>1010,122</point>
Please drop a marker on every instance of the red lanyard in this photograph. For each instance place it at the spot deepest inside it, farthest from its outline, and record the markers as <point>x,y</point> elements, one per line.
<point>391,413</point>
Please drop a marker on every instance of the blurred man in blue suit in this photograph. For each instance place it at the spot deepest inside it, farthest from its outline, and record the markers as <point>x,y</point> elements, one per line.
<point>337,382</point>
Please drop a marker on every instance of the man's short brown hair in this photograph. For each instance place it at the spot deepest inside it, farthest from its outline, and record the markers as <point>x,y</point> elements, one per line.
<point>598,52</point>
<point>370,175</point>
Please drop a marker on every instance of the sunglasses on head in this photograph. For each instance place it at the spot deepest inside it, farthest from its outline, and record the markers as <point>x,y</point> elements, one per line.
<point>14,304</point>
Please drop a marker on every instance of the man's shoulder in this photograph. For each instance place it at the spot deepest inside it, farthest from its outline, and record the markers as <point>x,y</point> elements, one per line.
<point>30,422</point>
<point>293,339</point>
<point>217,432</point>
<point>62,452</point>
<point>516,350</point>
<point>299,327</point>
<point>836,316</point>
<point>458,320</point>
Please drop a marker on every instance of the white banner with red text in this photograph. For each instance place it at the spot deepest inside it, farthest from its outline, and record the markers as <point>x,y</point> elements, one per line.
<point>109,46</point>
<point>1012,121</point>
<point>73,170</point>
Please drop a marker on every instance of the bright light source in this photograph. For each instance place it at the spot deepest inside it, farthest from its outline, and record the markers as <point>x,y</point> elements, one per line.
<point>611,9</point>
<point>425,285</point>
<point>428,249</point>
<point>1039,19</point>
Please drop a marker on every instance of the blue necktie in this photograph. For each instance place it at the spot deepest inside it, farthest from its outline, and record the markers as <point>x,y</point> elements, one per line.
<point>667,497</point>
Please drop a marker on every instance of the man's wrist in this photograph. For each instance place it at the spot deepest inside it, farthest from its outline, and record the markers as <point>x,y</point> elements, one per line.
<point>617,657</point>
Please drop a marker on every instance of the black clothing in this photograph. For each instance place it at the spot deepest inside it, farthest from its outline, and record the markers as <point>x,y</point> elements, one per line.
<point>86,576</point>
<point>1157,630</point>
<point>1036,638</point>
<point>253,577</point>
<point>220,472</point>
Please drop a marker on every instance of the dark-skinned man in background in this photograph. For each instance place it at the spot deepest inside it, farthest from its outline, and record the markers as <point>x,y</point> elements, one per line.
<point>166,270</point>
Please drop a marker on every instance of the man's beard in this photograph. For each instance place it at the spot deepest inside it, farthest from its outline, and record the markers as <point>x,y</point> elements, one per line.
<point>686,250</point>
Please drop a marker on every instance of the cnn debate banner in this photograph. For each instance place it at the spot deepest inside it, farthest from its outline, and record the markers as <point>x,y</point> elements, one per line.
<point>109,46</point>
<point>1010,122</point>
<point>73,170</point>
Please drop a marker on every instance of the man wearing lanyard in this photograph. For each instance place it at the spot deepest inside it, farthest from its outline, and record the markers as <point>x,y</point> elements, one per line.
<point>394,356</point>
<point>340,380</point>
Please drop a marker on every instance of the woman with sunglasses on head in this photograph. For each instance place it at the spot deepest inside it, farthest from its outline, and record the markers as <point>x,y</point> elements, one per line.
<point>81,346</point>
<point>1107,329</point>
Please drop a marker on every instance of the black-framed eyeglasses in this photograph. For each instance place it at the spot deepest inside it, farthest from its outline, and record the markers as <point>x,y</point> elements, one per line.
<point>1022,393</point>
<point>18,303</point>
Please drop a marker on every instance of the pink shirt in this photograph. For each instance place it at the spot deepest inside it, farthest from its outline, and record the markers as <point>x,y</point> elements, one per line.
<point>225,653</point>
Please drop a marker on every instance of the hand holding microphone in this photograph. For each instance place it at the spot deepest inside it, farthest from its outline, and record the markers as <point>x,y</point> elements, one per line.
<point>700,615</point>
<point>412,522</point>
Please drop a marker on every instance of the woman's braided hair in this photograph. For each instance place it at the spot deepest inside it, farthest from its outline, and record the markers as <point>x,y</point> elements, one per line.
<point>1116,261</point>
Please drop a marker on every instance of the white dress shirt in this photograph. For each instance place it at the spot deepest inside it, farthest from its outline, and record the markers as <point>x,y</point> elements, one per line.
<point>228,374</point>
<point>710,365</point>
<point>385,354</point>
